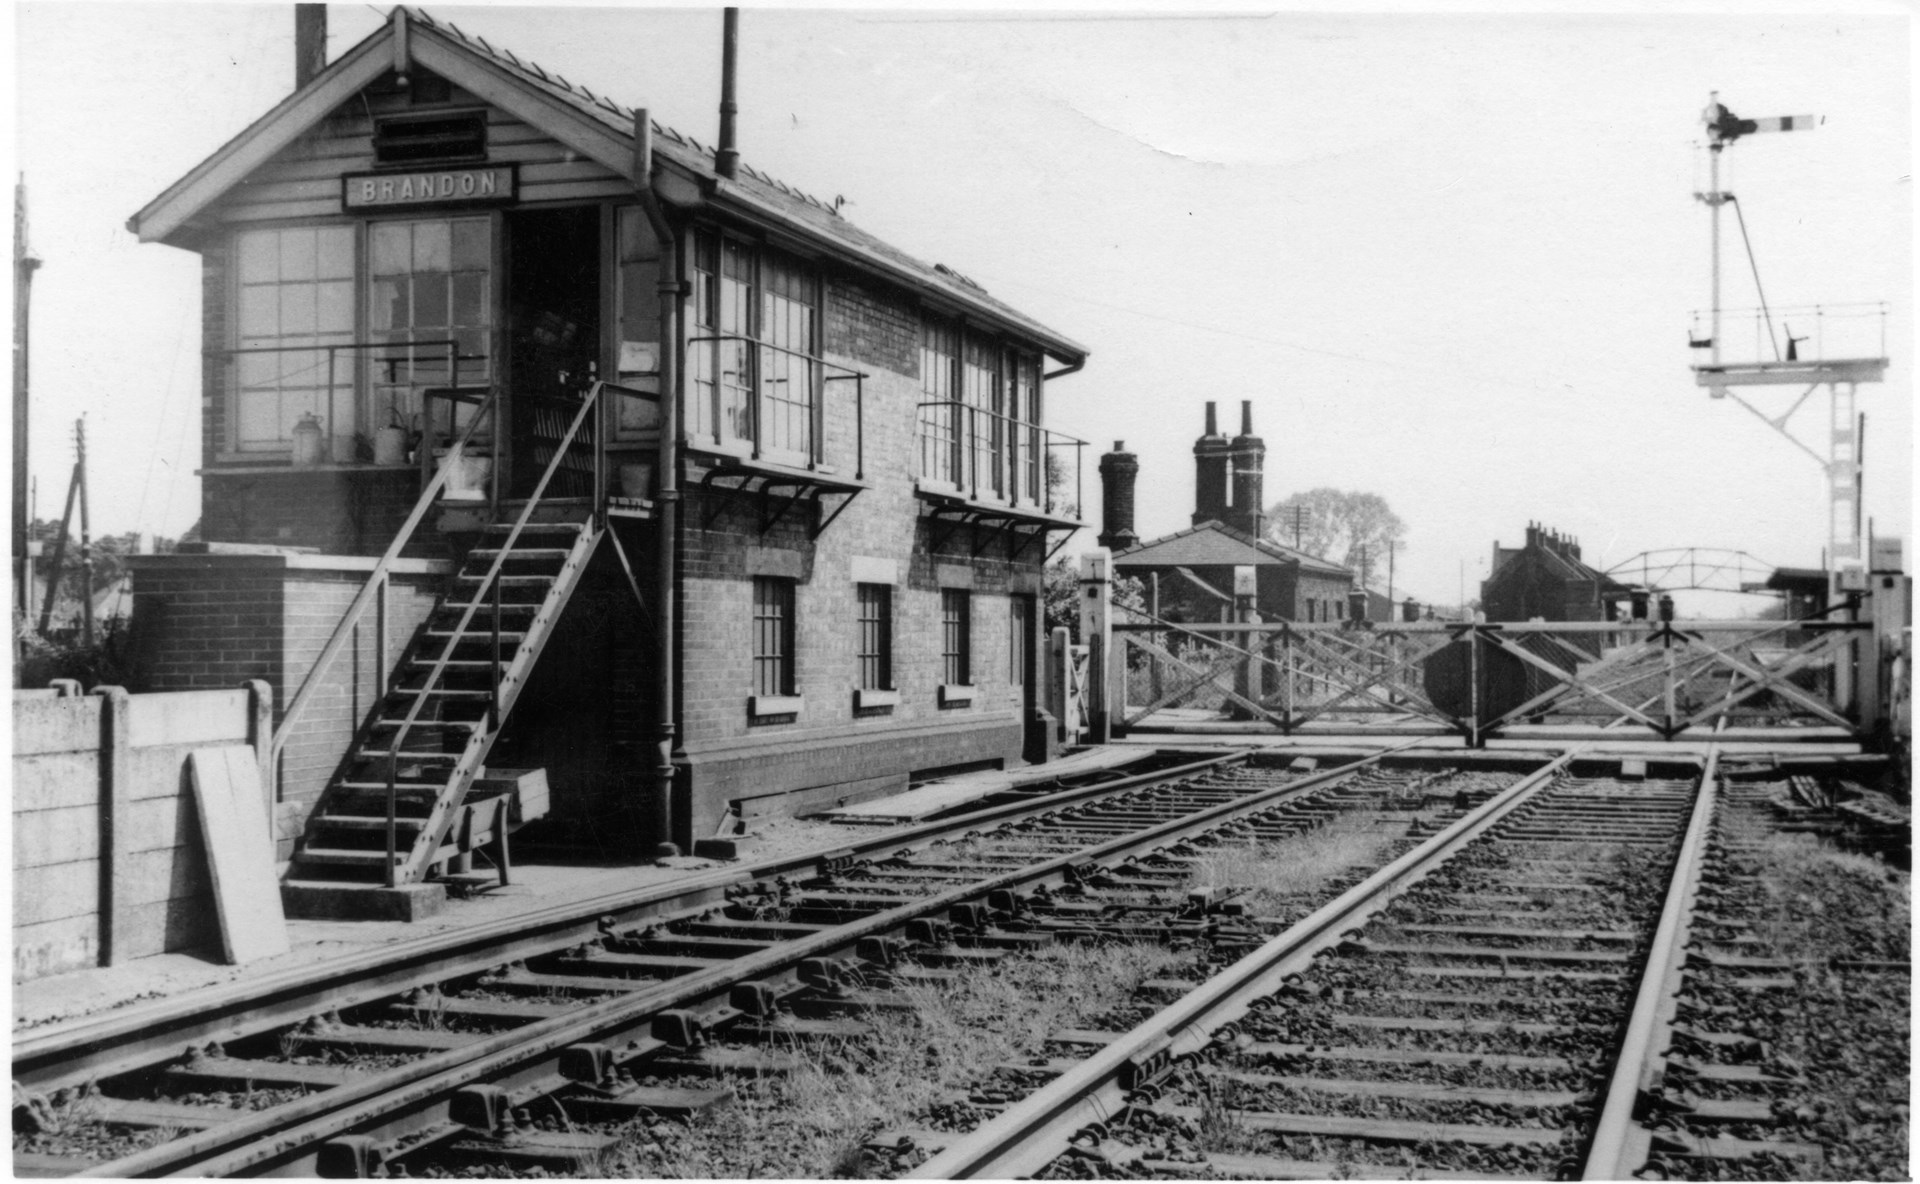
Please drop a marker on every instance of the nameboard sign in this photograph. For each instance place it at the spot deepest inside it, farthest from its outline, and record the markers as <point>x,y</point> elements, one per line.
<point>430,187</point>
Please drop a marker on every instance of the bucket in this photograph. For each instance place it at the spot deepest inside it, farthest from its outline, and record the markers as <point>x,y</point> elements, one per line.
<point>636,480</point>
<point>390,446</point>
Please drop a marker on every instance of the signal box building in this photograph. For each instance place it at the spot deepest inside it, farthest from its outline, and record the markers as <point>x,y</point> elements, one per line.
<point>1189,574</point>
<point>669,481</point>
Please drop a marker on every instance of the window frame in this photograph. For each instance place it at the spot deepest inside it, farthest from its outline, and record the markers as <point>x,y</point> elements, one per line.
<point>956,637</point>
<point>778,627</point>
<point>706,424</point>
<point>233,446</point>
<point>873,638</point>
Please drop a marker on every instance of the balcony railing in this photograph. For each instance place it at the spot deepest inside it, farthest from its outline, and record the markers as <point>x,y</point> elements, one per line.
<point>770,402</point>
<point>1801,332</point>
<point>327,373</point>
<point>987,456</point>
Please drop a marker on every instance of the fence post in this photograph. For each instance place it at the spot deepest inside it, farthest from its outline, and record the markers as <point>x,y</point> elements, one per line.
<point>1474,738</point>
<point>1096,631</point>
<point>116,828</point>
<point>260,735</point>
<point>1060,680</point>
<point>1892,593</point>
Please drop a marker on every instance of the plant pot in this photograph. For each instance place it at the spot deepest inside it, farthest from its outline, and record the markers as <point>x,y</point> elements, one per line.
<point>468,479</point>
<point>390,446</point>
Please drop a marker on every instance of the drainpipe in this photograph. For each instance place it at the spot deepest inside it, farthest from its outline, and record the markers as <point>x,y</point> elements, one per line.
<point>666,491</point>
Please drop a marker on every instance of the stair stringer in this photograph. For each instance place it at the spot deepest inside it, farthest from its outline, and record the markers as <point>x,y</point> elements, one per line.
<point>426,844</point>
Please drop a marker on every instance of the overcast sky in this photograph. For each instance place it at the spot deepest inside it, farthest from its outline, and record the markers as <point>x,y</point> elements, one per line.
<point>1451,258</point>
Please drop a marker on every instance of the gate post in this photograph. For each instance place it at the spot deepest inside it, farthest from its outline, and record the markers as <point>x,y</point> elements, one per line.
<point>1060,681</point>
<point>1096,632</point>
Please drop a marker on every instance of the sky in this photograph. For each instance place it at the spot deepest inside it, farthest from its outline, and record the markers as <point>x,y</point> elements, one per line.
<point>1451,258</point>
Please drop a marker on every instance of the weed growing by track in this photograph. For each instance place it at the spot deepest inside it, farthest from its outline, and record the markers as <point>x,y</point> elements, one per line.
<point>814,1122</point>
<point>1276,872</point>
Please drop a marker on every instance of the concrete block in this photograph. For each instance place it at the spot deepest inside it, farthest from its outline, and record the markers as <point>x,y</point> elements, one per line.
<point>317,900</point>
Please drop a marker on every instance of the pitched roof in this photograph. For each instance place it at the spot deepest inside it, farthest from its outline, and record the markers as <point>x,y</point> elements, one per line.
<point>593,124</point>
<point>1215,544</point>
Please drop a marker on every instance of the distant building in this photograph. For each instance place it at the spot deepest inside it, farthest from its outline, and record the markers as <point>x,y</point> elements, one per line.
<point>1546,578</point>
<point>1190,574</point>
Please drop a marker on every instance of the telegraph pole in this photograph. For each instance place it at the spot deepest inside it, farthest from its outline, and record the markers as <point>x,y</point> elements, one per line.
<point>24,265</point>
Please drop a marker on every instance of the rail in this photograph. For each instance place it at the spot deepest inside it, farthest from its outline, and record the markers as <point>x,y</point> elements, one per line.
<point>1840,331</point>
<point>373,594</point>
<point>737,401</point>
<point>429,838</point>
<point>333,350</point>
<point>988,455</point>
<point>1028,1135</point>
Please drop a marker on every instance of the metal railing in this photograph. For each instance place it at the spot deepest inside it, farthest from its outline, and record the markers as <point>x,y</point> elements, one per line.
<point>745,396</point>
<point>334,386</point>
<point>373,594</point>
<point>987,455</point>
<point>1809,332</point>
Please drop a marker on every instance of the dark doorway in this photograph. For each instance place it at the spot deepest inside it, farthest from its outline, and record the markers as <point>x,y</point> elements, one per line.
<point>553,327</point>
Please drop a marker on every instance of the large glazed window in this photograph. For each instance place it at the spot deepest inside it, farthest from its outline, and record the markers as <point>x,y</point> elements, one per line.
<point>427,281</point>
<point>295,290</point>
<point>940,429</point>
<point>753,379</point>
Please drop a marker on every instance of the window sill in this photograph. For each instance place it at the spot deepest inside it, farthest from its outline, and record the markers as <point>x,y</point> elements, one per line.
<point>956,695</point>
<point>765,706</point>
<point>239,466</point>
<point>867,700</point>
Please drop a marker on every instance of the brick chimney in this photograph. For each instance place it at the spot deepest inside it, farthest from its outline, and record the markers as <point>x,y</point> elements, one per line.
<point>1212,458</point>
<point>1118,469</point>
<point>309,42</point>
<point>1249,480</point>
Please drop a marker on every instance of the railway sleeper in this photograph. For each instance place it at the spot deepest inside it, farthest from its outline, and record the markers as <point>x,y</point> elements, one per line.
<point>1218,1165</point>
<point>1273,1050</point>
<point>202,1072</point>
<point>1411,1090</point>
<point>1379,1130</point>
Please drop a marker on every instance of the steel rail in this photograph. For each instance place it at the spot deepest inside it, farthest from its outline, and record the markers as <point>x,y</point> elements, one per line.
<point>283,1133</point>
<point>1031,1133</point>
<point>1620,1144</point>
<point>120,1041</point>
<point>274,1138</point>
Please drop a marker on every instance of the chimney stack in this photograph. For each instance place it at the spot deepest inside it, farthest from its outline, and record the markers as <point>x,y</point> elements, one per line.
<point>726,158</point>
<point>1211,461</point>
<point>1118,469</point>
<point>1249,480</point>
<point>309,43</point>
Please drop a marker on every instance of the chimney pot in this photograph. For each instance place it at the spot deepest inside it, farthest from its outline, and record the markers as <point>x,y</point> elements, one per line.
<point>309,43</point>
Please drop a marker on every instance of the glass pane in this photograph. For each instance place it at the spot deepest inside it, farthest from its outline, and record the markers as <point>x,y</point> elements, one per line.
<point>334,251</point>
<point>296,310</point>
<point>432,247</point>
<point>469,299</point>
<point>392,254</point>
<point>334,307</point>
<point>259,313</point>
<point>296,254</point>
<point>258,419</point>
<point>429,300</point>
<point>259,256</point>
<point>472,242</point>
<point>387,304</point>
<point>253,370</point>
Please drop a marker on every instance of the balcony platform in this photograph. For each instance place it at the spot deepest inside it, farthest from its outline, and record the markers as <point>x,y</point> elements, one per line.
<point>778,487</point>
<point>1805,371</point>
<point>1025,522</point>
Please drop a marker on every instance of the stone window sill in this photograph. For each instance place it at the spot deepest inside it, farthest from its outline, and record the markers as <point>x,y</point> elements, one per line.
<point>868,700</point>
<point>764,706</point>
<point>956,695</point>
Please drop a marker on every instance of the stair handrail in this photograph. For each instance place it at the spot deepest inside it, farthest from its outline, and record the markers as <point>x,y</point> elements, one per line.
<point>430,836</point>
<point>369,591</point>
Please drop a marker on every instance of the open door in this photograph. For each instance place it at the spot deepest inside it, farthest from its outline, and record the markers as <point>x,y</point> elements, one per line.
<point>553,269</point>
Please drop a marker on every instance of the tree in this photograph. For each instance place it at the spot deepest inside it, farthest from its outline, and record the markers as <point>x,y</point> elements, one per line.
<point>1340,525</point>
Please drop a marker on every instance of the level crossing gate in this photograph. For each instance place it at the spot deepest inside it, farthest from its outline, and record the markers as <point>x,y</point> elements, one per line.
<point>1642,679</point>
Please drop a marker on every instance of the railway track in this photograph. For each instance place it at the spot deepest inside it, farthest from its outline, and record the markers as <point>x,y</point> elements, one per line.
<point>450,1050</point>
<point>1566,984</point>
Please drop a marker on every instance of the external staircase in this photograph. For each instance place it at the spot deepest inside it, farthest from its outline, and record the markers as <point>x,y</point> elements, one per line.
<point>411,801</point>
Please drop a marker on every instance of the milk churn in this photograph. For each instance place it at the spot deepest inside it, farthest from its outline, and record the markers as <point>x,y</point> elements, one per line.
<point>390,445</point>
<point>306,440</point>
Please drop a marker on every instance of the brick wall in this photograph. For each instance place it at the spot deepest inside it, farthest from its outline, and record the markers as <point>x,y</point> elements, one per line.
<point>204,621</point>
<point>874,326</point>
<point>730,756</point>
<point>336,511</point>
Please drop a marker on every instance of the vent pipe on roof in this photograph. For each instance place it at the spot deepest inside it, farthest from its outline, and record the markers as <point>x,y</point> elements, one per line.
<point>309,43</point>
<point>726,158</point>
